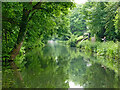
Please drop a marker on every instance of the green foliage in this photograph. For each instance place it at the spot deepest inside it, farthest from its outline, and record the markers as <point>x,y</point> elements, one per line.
<point>50,20</point>
<point>117,23</point>
<point>107,49</point>
<point>100,19</point>
<point>36,27</point>
<point>62,26</point>
<point>72,40</point>
<point>33,24</point>
<point>77,21</point>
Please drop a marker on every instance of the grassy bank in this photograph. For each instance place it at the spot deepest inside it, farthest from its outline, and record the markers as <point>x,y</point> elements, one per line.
<point>107,49</point>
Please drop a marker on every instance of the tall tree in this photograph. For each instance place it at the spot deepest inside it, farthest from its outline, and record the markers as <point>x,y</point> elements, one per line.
<point>26,13</point>
<point>21,18</point>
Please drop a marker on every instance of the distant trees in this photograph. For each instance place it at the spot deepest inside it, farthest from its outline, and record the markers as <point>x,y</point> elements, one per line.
<point>102,19</point>
<point>99,18</point>
<point>77,21</point>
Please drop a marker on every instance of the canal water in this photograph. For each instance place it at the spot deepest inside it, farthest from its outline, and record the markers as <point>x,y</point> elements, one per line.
<point>60,66</point>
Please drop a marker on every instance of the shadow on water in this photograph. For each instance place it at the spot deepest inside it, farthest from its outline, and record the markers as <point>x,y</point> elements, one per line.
<point>59,66</point>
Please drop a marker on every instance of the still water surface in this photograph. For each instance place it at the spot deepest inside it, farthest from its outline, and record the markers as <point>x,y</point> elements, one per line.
<point>59,66</point>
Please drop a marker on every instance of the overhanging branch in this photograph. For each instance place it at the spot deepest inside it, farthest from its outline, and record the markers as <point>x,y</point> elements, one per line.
<point>37,6</point>
<point>35,12</point>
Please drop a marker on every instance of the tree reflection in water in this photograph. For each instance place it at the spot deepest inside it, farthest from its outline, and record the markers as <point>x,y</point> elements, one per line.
<point>57,66</point>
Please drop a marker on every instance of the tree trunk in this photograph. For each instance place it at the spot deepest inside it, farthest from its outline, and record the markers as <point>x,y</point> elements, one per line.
<point>21,34</point>
<point>20,39</point>
<point>17,47</point>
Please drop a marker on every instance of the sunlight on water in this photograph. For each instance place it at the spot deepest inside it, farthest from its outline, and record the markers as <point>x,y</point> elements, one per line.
<point>72,85</point>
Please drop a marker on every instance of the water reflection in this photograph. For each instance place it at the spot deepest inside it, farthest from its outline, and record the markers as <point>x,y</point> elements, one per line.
<point>72,85</point>
<point>59,66</point>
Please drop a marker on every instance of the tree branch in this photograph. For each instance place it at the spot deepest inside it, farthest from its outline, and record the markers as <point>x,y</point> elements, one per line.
<point>36,6</point>
<point>31,16</point>
<point>35,12</point>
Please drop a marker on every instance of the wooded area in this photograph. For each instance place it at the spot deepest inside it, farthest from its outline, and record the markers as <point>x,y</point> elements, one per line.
<point>29,25</point>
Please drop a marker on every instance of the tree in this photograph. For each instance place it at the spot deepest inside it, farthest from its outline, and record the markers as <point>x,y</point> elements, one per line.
<point>21,18</point>
<point>26,14</point>
<point>100,19</point>
<point>77,21</point>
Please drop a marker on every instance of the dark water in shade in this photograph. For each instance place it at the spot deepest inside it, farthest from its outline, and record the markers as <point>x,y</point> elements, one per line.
<point>59,66</point>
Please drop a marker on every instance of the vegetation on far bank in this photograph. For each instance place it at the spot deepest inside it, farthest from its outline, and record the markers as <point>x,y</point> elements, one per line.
<point>107,49</point>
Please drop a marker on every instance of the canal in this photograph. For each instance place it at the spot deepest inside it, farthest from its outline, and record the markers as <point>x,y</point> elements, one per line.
<point>59,66</point>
